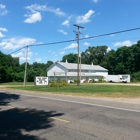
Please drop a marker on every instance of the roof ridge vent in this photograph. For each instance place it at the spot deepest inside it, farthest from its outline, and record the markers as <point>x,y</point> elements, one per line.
<point>66,61</point>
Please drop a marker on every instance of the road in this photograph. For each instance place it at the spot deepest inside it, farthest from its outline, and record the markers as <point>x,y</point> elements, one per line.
<point>33,116</point>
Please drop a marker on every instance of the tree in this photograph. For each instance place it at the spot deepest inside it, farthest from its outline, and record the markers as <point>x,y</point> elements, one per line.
<point>136,56</point>
<point>8,66</point>
<point>19,77</point>
<point>48,64</point>
<point>95,55</point>
<point>71,58</point>
<point>111,56</point>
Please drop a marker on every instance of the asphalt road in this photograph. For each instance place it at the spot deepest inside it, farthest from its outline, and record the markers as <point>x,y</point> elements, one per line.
<point>32,116</point>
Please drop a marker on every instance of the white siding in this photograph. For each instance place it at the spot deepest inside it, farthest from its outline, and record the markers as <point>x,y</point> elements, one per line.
<point>57,70</point>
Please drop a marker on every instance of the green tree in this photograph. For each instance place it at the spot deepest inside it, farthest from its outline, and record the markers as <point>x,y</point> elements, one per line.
<point>95,55</point>
<point>136,56</point>
<point>48,64</point>
<point>111,56</point>
<point>8,66</point>
<point>19,77</point>
<point>71,58</point>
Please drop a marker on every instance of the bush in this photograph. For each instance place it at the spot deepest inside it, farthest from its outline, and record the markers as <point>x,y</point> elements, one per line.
<point>135,77</point>
<point>93,81</point>
<point>101,79</point>
<point>59,83</point>
<point>75,80</point>
<point>54,85</point>
<point>85,81</point>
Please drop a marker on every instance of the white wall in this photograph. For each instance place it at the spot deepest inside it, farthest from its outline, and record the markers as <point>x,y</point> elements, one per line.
<point>61,72</point>
<point>57,69</point>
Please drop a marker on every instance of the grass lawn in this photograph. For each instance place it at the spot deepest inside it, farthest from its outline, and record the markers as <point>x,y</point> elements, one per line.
<point>88,90</point>
<point>17,83</point>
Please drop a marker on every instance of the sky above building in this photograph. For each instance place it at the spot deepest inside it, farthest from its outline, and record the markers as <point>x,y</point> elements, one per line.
<point>46,22</point>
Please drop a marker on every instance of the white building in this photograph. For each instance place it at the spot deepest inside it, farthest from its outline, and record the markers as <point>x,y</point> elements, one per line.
<point>68,71</point>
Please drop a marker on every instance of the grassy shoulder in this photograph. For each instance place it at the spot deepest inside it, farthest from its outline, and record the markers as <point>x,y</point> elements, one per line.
<point>15,83</point>
<point>116,91</point>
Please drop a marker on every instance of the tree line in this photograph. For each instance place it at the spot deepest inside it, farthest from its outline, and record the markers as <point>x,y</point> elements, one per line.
<point>11,70</point>
<point>124,60</point>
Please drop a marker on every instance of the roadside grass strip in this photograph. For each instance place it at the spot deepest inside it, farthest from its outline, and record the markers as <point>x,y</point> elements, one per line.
<point>87,90</point>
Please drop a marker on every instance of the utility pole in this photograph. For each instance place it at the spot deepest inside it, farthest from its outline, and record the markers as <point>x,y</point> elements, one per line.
<point>25,73</point>
<point>79,57</point>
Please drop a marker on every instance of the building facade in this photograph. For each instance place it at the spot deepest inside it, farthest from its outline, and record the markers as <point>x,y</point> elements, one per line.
<point>68,71</point>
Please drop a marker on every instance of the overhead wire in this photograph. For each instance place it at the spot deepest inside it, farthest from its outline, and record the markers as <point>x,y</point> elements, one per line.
<point>114,39</point>
<point>60,42</point>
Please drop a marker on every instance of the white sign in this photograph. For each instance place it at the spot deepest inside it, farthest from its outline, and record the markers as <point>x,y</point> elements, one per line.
<point>41,80</point>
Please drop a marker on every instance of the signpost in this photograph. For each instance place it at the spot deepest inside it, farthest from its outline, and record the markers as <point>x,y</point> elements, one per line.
<point>40,81</point>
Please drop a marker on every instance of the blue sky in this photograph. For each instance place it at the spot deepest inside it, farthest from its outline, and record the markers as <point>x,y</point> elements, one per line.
<point>29,22</point>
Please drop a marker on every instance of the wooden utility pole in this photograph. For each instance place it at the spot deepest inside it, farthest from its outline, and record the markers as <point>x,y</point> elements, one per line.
<point>79,57</point>
<point>25,72</point>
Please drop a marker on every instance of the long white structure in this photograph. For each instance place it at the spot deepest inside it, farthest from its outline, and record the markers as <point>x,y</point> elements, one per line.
<point>68,71</point>
<point>124,78</point>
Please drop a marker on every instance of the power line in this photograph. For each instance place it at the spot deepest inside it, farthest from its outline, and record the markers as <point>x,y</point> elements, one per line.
<point>114,39</point>
<point>45,44</point>
<point>17,50</point>
<point>60,42</point>
<point>111,33</point>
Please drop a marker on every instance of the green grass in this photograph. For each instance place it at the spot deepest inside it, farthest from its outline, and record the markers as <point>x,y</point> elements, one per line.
<point>17,83</point>
<point>88,90</point>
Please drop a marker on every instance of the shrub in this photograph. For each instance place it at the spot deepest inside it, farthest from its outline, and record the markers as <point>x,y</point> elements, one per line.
<point>93,81</point>
<point>135,77</point>
<point>85,81</point>
<point>59,83</point>
<point>90,81</point>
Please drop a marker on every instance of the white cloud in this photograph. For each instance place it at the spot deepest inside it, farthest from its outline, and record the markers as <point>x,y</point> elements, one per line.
<point>3,29</point>
<point>124,43</point>
<point>85,18</point>
<point>35,10</point>
<point>1,35</point>
<point>62,52</point>
<point>86,44</point>
<point>86,36</point>
<point>95,1</point>
<point>112,35</point>
<point>73,45</point>
<point>32,18</point>
<point>22,55</point>
<point>3,10</point>
<point>62,31</point>
<point>15,43</point>
<point>24,58</point>
<point>36,7</point>
<point>56,11</point>
<point>108,49</point>
<point>38,59</point>
<point>66,23</point>
<point>2,6</point>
